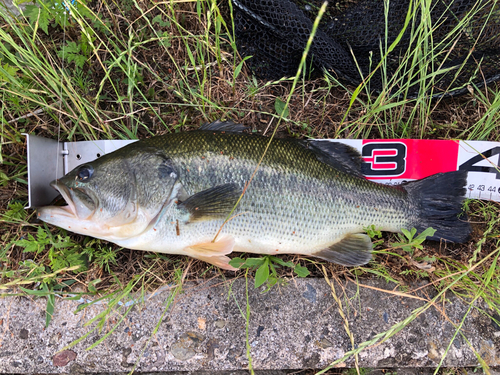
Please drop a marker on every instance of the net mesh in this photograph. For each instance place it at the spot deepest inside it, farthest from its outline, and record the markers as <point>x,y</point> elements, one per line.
<point>456,42</point>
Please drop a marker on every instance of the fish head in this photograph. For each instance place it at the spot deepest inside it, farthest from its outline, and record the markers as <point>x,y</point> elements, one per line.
<point>115,197</point>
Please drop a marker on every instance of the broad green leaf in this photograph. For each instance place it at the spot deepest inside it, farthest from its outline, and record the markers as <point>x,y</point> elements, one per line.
<point>407,234</point>
<point>429,232</point>
<point>4,179</point>
<point>281,262</point>
<point>160,22</point>
<point>165,40</point>
<point>10,71</point>
<point>262,274</point>
<point>301,271</point>
<point>38,16</point>
<point>235,262</point>
<point>279,106</point>
<point>254,262</point>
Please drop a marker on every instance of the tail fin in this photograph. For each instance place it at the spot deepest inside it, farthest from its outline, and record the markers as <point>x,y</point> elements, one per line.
<point>439,200</point>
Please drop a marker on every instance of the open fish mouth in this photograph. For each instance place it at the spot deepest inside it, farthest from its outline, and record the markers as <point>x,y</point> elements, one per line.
<point>58,201</point>
<point>75,204</point>
<point>73,210</point>
<point>62,204</point>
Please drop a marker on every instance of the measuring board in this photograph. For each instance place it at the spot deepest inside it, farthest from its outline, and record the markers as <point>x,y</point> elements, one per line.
<point>387,161</point>
<point>394,161</point>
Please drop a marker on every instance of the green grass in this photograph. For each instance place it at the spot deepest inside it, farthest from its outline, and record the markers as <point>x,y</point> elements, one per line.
<point>88,76</point>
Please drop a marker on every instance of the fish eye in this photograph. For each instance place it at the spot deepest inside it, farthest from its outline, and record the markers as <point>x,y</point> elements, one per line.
<point>84,172</point>
<point>166,171</point>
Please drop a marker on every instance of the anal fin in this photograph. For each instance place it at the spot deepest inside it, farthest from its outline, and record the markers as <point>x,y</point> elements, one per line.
<point>352,250</point>
<point>214,252</point>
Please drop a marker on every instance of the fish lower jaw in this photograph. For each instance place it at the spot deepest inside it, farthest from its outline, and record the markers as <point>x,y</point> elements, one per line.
<point>64,218</point>
<point>53,214</point>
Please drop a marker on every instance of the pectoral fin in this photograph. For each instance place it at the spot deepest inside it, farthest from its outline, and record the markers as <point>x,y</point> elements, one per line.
<point>210,204</point>
<point>352,250</point>
<point>214,252</point>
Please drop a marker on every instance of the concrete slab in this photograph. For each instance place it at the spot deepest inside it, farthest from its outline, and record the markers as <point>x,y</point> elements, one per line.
<point>292,327</point>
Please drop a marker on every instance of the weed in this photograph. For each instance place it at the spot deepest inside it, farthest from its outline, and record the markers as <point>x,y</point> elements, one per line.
<point>44,12</point>
<point>281,109</point>
<point>62,253</point>
<point>73,52</point>
<point>266,269</point>
<point>409,242</point>
<point>253,87</point>
<point>360,371</point>
<point>15,213</point>
<point>61,250</point>
<point>6,71</point>
<point>104,256</point>
<point>374,234</point>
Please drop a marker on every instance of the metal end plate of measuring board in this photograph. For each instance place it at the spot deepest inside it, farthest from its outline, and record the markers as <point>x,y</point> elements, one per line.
<point>388,161</point>
<point>49,160</point>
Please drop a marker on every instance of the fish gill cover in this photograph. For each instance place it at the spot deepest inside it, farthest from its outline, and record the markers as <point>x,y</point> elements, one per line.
<point>352,37</point>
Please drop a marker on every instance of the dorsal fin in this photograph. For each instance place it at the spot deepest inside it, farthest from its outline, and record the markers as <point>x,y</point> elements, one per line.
<point>224,126</point>
<point>339,155</point>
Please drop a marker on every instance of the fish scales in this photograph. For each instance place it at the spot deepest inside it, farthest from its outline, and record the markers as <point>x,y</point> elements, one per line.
<point>325,202</point>
<point>294,202</point>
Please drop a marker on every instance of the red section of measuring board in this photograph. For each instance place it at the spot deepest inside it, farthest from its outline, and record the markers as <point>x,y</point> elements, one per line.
<point>407,158</point>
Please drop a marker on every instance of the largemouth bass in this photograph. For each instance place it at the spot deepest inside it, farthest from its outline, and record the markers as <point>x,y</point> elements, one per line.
<point>177,194</point>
